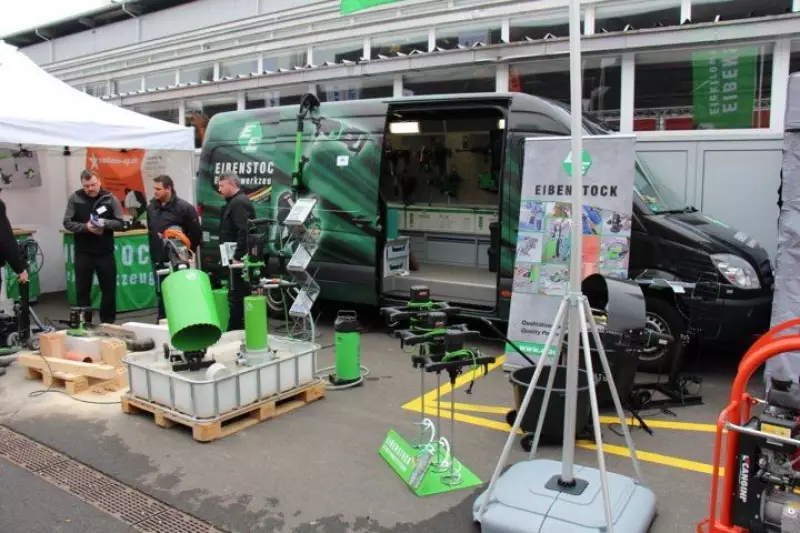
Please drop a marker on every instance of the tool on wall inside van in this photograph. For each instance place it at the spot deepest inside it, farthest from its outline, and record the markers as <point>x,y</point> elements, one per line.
<point>760,490</point>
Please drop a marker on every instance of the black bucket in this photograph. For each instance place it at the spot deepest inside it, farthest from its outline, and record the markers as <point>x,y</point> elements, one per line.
<point>623,361</point>
<point>553,427</point>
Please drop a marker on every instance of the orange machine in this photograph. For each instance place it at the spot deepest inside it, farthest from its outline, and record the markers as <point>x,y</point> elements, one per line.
<point>760,486</point>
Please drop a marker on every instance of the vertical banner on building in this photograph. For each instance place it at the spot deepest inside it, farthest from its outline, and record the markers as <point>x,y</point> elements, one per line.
<point>351,6</point>
<point>19,168</point>
<point>544,238</point>
<point>725,84</point>
<point>120,172</point>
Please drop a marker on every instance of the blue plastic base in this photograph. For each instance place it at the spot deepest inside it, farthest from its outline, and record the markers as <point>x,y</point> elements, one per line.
<point>522,504</point>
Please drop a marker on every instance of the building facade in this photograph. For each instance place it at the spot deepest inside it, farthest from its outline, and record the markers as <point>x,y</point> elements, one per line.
<point>701,82</point>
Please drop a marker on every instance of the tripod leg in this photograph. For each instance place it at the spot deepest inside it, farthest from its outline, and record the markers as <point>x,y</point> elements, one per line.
<point>613,388</point>
<point>601,461</point>
<point>550,379</point>
<point>521,413</point>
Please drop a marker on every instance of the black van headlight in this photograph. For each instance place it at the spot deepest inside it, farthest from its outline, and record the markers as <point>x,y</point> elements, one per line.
<point>736,270</point>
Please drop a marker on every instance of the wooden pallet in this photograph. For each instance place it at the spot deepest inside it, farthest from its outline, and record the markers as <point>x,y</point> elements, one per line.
<point>75,383</point>
<point>231,422</point>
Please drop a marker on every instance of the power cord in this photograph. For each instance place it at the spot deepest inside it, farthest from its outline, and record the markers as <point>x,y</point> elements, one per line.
<point>50,388</point>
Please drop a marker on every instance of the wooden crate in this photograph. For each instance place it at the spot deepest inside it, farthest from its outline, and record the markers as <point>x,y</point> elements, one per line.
<point>231,422</point>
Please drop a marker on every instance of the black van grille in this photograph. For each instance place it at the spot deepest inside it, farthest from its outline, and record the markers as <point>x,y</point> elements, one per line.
<point>696,269</point>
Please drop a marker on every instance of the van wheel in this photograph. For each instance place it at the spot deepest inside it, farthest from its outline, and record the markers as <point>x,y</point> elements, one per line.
<point>662,317</point>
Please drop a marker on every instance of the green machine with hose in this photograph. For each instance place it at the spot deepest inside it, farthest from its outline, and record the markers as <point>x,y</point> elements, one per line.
<point>348,371</point>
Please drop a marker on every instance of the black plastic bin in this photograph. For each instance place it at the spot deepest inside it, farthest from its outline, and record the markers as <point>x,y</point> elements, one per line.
<point>553,427</point>
<point>623,361</point>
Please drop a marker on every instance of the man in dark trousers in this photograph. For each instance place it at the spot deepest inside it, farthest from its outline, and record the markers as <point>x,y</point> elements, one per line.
<point>93,214</point>
<point>10,255</point>
<point>166,210</point>
<point>233,228</point>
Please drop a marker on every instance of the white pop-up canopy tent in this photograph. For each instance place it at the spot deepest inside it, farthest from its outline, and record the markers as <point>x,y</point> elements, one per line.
<point>50,131</point>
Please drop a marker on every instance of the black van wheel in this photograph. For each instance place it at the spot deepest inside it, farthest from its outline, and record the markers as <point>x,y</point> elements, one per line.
<point>662,317</point>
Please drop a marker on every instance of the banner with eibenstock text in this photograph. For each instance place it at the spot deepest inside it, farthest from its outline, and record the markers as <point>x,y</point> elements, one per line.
<point>544,237</point>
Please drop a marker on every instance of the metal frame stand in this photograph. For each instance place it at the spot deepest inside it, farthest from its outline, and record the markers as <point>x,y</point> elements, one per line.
<point>580,316</point>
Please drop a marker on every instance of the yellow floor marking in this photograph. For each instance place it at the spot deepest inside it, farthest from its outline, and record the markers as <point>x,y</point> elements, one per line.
<point>650,457</point>
<point>446,388</point>
<point>473,407</point>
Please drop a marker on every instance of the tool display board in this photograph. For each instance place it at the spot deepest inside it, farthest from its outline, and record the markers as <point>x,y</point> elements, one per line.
<point>136,287</point>
<point>542,265</point>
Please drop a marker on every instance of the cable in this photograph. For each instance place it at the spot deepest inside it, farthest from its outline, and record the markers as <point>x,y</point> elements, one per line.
<point>50,388</point>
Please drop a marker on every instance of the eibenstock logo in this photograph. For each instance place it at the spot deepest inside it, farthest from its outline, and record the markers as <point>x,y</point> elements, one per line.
<point>250,137</point>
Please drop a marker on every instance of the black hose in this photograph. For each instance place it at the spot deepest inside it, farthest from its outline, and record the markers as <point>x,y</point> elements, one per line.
<point>502,336</point>
<point>140,345</point>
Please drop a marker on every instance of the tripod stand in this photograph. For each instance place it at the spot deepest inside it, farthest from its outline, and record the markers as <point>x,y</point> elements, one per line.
<point>546,488</point>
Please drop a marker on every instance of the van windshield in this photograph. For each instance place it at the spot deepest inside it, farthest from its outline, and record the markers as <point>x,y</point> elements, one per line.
<point>655,195</point>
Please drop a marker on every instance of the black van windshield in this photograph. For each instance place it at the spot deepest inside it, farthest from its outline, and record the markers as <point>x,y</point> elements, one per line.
<point>656,196</point>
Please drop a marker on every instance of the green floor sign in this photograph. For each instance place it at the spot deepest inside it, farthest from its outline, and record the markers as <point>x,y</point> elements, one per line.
<point>135,277</point>
<point>414,467</point>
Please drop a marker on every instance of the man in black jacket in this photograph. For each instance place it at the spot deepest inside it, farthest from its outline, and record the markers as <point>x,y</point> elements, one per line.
<point>10,255</point>
<point>233,228</point>
<point>166,210</point>
<point>93,214</point>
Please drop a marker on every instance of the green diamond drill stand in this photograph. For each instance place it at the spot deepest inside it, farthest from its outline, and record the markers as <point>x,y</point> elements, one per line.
<point>433,468</point>
<point>428,318</point>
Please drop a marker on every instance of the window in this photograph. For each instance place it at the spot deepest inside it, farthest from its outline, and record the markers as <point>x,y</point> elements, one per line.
<point>159,79</point>
<point>794,59</point>
<point>356,89</point>
<point>285,60</point>
<point>404,44</point>
<point>127,85</point>
<point>722,88</point>
<point>486,32</point>
<point>238,67</point>
<point>539,25</point>
<point>167,111</point>
<point>708,10</point>
<point>197,74</point>
<point>98,89</point>
<point>550,79</point>
<point>639,15</point>
<point>338,52</point>
<point>477,79</point>
<point>278,96</point>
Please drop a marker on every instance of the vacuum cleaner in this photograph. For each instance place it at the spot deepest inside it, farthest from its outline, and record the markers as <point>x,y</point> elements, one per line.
<point>761,487</point>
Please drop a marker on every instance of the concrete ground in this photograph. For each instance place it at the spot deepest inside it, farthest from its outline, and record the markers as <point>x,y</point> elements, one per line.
<point>317,469</point>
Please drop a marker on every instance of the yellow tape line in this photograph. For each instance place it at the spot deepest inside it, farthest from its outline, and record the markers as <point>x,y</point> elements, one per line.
<point>650,457</point>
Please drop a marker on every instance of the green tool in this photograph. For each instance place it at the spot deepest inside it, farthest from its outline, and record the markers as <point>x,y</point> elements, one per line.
<point>347,345</point>
<point>309,103</point>
<point>79,317</point>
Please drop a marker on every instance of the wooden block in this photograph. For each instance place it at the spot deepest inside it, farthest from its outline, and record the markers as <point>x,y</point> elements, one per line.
<point>53,344</point>
<point>92,370</point>
<point>112,351</point>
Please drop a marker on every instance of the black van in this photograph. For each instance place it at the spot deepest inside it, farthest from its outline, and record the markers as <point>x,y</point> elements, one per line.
<point>426,190</point>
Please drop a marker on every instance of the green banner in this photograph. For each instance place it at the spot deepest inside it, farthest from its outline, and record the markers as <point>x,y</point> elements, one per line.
<point>724,88</point>
<point>351,6</point>
<point>136,287</point>
<point>414,467</point>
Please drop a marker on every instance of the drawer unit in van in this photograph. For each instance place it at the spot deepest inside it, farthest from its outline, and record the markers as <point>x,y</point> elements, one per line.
<point>396,256</point>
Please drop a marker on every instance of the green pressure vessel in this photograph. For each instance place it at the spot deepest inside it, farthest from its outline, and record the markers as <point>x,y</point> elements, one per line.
<point>221,302</point>
<point>191,314</point>
<point>255,323</point>
<point>347,340</point>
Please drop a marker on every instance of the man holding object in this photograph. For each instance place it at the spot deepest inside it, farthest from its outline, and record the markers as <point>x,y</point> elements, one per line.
<point>93,214</point>
<point>234,220</point>
<point>166,210</point>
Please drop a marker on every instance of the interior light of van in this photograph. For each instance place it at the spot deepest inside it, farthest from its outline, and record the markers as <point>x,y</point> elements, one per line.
<point>736,270</point>
<point>404,127</point>
<point>501,124</point>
